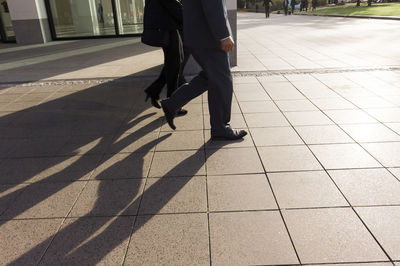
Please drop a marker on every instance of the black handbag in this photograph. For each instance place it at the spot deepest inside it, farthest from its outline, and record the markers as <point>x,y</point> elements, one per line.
<point>155,37</point>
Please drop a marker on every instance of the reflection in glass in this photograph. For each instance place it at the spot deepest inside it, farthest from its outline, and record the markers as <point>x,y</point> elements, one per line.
<point>6,24</point>
<point>78,18</point>
<point>130,16</point>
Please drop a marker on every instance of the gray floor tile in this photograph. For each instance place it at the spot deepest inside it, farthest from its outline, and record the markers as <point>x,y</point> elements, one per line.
<point>266,120</point>
<point>350,117</point>
<point>384,225</point>
<point>45,200</point>
<point>258,107</point>
<point>109,197</point>
<point>368,186</point>
<point>123,165</point>
<point>233,161</point>
<point>179,239</point>
<point>333,104</point>
<point>239,192</point>
<point>305,190</point>
<point>174,195</point>
<point>181,140</point>
<point>288,158</point>
<point>371,133</point>
<point>308,118</point>
<point>340,156</point>
<point>275,136</point>
<point>247,141</point>
<point>24,241</point>
<point>8,193</point>
<point>250,238</point>
<point>387,153</point>
<point>327,134</point>
<point>331,235</point>
<point>178,163</point>
<point>93,240</point>
<point>296,105</point>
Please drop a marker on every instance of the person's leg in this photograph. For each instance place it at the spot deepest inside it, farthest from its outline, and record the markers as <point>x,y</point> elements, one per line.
<point>173,60</point>
<point>155,88</point>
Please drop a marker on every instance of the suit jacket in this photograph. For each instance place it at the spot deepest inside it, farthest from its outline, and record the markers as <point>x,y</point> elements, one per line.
<point>205,23</point>
<point>163,14</point>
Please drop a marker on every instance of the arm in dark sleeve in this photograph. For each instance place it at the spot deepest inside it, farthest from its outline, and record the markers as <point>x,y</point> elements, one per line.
<point>214,12</point>
<point>173,7</point>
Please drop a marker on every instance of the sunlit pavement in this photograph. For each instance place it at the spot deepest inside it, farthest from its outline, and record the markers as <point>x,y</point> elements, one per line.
<point>90,173</point>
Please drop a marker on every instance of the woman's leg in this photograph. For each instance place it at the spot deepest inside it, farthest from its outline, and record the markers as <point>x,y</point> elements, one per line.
<point>173,57</point>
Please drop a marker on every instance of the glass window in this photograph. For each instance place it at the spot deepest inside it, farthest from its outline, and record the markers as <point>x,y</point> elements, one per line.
<point>78,18</point>
<point>7,31</point>
<point>130,16</point>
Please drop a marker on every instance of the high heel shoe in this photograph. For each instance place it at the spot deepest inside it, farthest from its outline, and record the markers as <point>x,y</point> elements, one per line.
<point>154,101</point>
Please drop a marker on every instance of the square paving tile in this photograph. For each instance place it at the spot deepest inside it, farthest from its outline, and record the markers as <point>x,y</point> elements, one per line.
<point>233,161</point>
<point>333,104</point>
<point>258,107</point>
<point>68,168</point>
<point>296,105</point>
<point>371,133</point>
<point>305,190</point>
<point>216,144</point>
<point>181,140</point>
<point>387,153</point>
<point>350,117</point>
<point>179,239</point>
<point>133,142</point>
<point>123,165</point>
<point>384,225</point>
<point>266,120</point>
<point>46,200</point>
<point>252,96</point>
<point>109,197</point>
<point>237,121</point>
<point>330,236</point>
<point>394,126</point>
<point>385,115</point>
<point>174,195</point>
<point>340,156</point>
<point>308,118</point>
<point>178,163</point>
<point>239,192</point>
<point>8,193</point>
<point>395,171</point>
<point>26,237</point>
<point>92,240</point>
<point>371,102</point>
<point>250,238</point>
<point>187,122</point>
<point>275,136</point>
<point>368,186</point>
<point>323,134</point>
<point>288,158</point>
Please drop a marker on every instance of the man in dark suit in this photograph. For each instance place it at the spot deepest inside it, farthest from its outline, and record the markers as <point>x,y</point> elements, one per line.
<point>267,4</point>
<point>208,36</point>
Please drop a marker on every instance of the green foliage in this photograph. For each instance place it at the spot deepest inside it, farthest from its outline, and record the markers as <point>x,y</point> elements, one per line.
<point>386,9</point>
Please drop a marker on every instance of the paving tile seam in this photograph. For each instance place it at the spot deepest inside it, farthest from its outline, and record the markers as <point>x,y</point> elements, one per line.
<point>192,212</point>
<point>268,180</point>
<point>349,262</point>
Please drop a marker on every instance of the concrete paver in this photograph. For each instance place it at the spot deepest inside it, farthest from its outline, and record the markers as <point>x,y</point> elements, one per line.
<point>117,186</point>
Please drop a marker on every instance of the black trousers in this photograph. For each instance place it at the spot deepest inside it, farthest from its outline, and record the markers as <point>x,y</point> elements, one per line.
<point>217,80</point>
<point>173,67</point>
<point>267,10</point>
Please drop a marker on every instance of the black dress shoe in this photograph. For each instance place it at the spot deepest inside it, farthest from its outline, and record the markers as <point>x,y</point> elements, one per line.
<point>169,115</point>
<point>231,134</point>
<point>181,112</point>
<point>154,100</point>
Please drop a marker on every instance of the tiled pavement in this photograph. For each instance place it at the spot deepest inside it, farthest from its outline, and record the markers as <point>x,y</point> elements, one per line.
<point>90,174</point>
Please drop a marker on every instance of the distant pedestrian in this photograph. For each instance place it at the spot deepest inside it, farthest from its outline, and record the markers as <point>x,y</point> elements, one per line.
<point>314,4</point>
<point>286,6</point>
<point>293,4</point>
<point>267,4</point>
